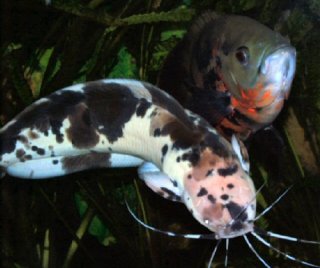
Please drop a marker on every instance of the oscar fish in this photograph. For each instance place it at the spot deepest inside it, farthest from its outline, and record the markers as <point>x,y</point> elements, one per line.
<point>231,70</point>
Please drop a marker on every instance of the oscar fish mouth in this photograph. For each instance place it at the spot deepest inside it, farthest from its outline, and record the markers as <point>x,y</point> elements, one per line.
<point>274,80</point>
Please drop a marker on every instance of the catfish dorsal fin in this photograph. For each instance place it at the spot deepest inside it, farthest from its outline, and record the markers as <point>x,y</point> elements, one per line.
<point>205,18</point>
<point>241,151</point>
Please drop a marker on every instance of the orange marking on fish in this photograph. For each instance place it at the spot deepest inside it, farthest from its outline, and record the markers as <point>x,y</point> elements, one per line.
<point>251,110</point>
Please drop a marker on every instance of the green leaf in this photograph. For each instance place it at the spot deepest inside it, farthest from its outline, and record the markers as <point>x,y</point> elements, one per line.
<point>126,66</point>
<point>166,35</point>
<point>35,74</point>
<point>247,4</point>
<point>101,232</point>
<point>168,39</point>
<point>97,227</point>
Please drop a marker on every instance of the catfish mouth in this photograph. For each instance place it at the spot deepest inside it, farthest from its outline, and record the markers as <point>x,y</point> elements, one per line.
<point>239,223</point>
<point>236,229</point>
<point>274,79</point>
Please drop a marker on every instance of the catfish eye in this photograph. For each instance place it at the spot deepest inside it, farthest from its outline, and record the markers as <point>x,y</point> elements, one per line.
<point>242,55</point>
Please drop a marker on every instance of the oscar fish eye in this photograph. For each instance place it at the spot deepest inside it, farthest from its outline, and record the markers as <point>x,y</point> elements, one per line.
<point>242,55</point>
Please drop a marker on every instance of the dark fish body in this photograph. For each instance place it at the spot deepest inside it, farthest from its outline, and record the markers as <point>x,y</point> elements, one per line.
<point>233,71</point>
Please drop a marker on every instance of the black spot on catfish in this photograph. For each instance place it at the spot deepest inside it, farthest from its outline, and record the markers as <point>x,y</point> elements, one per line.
<point>224,197</point>
<point>170,195</point>
<point>217,145</point>
<point>86,161</point>
<point>56,130</point>
<point>193,157</point>
<point>66,108</point>
<point>41,151</point>
<point>209,172</point>
<point>33,135</point>
<point>81,132</point>
<point>20,153</point>
<point>164,150</point>
<point>111,105</point>
<point>228,171</point>
<point>236,211</point>
<point>55,161</point>
<point>230,185</point>
<point>22,156</point>
<point>203,191</point>
<point>178,159</point>
<point>174,182</point>
<point>154,113</point>
<point>211,199</point>
<point>157,132</point>
<point>237,226</point>
<point>28,157</point>
<point>183,137</point>
<point>142,108</point>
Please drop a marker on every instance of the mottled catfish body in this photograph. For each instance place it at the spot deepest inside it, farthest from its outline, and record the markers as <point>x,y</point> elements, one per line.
<point>231,70</point>
<point>119,122</point>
